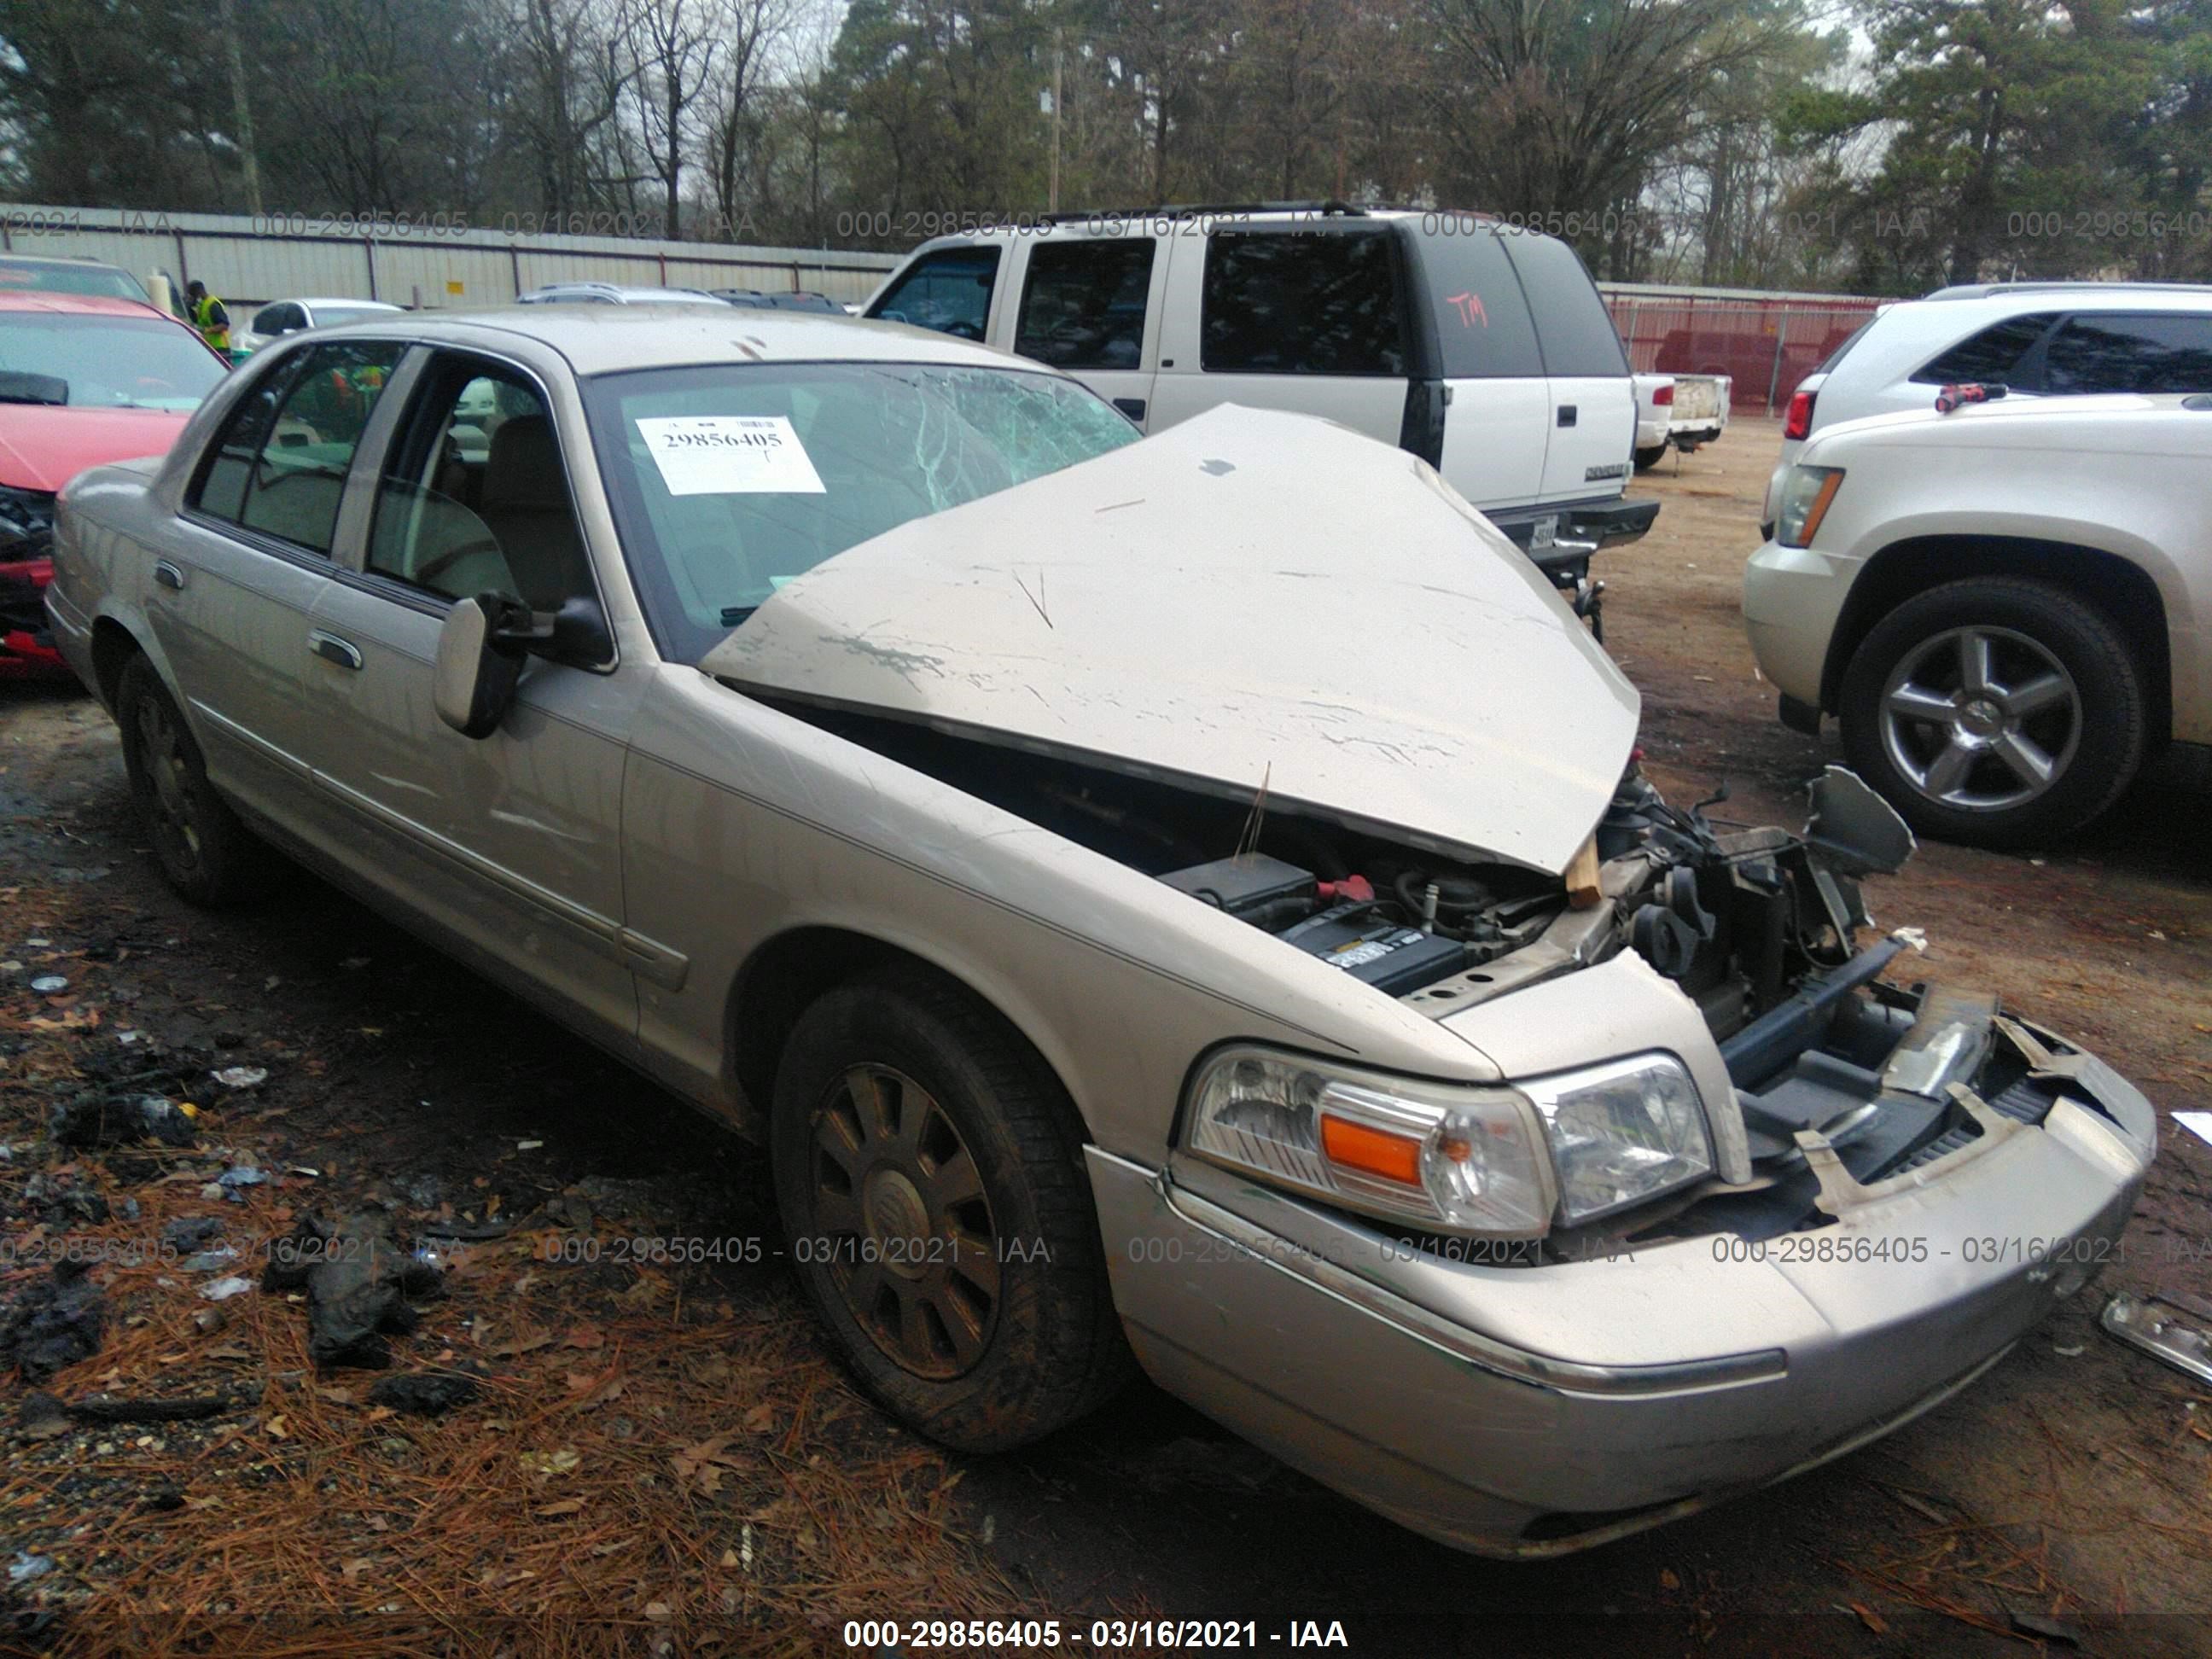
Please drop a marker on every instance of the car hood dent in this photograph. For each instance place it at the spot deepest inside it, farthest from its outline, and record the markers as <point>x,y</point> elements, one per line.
<point>1248,600</point>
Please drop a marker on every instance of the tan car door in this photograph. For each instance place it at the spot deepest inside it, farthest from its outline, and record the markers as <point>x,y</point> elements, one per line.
<point>507,845</point>
<point>236,583</point>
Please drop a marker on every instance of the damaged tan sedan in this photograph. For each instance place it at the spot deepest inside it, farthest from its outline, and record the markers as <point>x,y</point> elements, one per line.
<point>1191,897</point>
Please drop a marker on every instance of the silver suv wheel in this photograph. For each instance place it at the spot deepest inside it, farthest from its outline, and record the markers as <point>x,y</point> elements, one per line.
<point>1981,720</point>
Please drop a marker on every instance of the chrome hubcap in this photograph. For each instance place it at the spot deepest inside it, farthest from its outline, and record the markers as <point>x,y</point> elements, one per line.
<point>1981,720</point>
<point>900,1220</point>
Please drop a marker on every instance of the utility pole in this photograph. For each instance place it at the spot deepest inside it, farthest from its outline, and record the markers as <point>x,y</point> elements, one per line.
<point>241,111</point>
<point>1052,195</point>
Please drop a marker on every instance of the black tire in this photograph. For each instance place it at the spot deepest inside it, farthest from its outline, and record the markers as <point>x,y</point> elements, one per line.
<point>204,852</point>
<point>977,1369</point>
<point>2039,642</point>
<point>1647,458</point>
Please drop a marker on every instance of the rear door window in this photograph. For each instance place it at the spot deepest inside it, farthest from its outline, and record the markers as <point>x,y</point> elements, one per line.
<point>1573,328</point>
<point>1483,328</point>
<point>1083,306</point>
<point>1992,355</point>
<point>949,290</point>
<point>2144,352</point>
<point>1301,303</point>
<point>280,464</point>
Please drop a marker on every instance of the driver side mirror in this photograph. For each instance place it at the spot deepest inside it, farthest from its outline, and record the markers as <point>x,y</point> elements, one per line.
<point>473,680</point>
<point>483,645</point>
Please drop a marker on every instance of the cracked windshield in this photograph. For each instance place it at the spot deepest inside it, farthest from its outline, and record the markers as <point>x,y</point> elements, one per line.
<point>732,481</point>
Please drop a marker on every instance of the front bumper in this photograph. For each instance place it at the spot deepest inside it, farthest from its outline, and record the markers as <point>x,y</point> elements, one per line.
<point>1792,598</point>
<point>1531,1411</point>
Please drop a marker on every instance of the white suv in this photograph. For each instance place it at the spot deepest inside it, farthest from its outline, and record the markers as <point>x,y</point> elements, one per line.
<point>2010,607</point>
<point>2046,340</point>
<point>1481,348</point>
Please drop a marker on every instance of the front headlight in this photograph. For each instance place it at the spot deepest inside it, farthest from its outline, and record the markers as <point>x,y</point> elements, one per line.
<point>1443,1157</point>
<point>1455,1157</point>
<point>1805,494</point>
<point>1622,1132</point>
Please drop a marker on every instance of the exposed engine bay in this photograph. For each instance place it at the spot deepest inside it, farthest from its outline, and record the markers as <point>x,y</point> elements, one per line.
<point>1842,1080</point>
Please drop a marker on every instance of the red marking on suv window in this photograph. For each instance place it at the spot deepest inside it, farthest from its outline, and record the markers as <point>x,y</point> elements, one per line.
<point>1470,309</point>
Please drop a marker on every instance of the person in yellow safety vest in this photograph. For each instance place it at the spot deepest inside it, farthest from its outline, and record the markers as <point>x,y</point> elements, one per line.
<point>209,316</point>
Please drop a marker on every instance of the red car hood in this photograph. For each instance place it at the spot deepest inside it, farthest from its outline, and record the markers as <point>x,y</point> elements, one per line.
<point>43,447</point>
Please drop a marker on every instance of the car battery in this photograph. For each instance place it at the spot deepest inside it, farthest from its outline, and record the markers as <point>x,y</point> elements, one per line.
<point>1243,884</point>
<point>1388,955</point>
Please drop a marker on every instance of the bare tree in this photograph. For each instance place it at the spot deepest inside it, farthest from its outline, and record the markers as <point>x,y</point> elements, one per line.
<point>735,116</point>
<point>566,81</point>
<point>673,47</point>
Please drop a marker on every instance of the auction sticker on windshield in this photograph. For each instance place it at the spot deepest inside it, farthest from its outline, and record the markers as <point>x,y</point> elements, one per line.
<point>730,455</point>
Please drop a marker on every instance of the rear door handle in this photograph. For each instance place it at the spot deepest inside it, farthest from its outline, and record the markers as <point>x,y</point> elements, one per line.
<point>331,649</point>
<point>1566,414</point>
<point>169,575</point>
<point>1132,407</point>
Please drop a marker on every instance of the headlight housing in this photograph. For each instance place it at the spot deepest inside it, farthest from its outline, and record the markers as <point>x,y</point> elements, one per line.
<point>1805,494</point>
<point>1444,1157</point>
<point>1622,1132</point>
<point>1454,1158</point>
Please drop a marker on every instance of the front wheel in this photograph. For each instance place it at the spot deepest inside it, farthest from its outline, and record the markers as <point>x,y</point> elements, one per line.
<point>205,853</point>
<point>1996,711</point>
<point>928,1171</point>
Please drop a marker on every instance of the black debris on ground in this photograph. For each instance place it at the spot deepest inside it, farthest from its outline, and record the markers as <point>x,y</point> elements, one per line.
<point>423,1393</point>
<point>54,1324</point>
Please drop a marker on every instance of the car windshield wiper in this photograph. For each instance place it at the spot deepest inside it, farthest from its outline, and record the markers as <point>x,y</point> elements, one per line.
<point>19,386</point>
<point>734,614</point>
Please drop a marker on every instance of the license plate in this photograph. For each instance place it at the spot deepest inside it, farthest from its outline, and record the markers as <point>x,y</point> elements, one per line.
<point>1543,533</point>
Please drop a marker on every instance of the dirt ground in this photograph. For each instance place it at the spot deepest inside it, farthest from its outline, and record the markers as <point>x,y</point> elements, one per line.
<point>660,1456</point>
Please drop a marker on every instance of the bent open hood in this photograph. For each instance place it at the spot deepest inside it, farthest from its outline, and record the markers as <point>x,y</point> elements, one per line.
<point>1247,601</point>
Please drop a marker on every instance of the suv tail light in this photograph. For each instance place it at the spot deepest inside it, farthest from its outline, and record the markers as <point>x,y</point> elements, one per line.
<point>1663,395</point>
<point>1798,422</point>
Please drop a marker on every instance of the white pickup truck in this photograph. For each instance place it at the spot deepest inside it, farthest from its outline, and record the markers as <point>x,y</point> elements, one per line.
<point>1679,411</point>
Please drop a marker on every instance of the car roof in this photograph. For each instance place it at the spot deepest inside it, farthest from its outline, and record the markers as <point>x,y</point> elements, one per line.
<point>334,300</point>
<point>2189,293</point>
<point>604,339</point>
<point>2007,299</point>
<point>96,304</point>
<point>617,292</point>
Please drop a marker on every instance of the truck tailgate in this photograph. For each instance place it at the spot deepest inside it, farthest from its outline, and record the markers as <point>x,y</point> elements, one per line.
<point>1697,397</point>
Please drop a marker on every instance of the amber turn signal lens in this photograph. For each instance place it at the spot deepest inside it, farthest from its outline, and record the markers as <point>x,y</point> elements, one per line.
<point>1374,1152</point>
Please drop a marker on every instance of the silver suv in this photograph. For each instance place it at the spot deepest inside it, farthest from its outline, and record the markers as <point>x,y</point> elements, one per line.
<point>2036,339</point>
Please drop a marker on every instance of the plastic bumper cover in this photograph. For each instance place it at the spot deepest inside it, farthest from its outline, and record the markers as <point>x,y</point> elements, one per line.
<point>1533,1410</point>
<point>1792,597</point>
